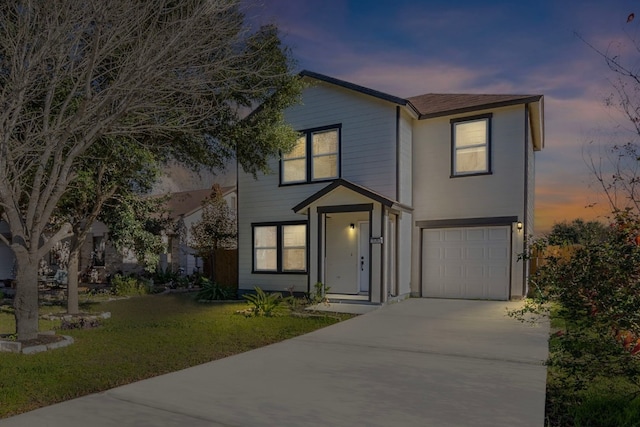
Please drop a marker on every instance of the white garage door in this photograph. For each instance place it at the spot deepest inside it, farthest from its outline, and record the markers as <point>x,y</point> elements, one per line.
<point>467,263</point>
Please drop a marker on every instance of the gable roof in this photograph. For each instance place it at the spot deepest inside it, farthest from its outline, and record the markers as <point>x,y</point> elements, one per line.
<point>340,182</point>
<point>185,202</point>
<point>355,87</point>
<point>433,105</point>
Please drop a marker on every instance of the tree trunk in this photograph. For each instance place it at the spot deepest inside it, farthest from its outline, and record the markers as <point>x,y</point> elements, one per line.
<point>72,282</point>
<point>26,298</point>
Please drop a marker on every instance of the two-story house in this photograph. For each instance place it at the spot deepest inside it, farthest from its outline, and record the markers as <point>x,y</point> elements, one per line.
<point>383,196</point>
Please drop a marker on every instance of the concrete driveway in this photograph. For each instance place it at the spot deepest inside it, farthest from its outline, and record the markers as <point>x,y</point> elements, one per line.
<point>420,362</point>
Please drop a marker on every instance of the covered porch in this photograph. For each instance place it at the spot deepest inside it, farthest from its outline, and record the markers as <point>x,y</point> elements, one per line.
<point>353,242</point>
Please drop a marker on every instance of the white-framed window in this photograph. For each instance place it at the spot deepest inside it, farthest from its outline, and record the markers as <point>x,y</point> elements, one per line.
<point>280,247</point>
<point>470,145</point>
<point>314,157</point>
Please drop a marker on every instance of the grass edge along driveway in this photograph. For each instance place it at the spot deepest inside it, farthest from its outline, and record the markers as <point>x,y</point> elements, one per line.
<point>145,337</point>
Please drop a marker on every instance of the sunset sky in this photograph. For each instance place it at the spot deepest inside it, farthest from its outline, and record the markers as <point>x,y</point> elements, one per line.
<point>408,48</point>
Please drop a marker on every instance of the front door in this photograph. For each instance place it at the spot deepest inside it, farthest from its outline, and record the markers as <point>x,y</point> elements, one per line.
<point>363,256</point>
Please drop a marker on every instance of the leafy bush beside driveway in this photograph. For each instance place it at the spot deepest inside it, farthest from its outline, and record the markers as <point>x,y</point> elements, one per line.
<point>595,296</point>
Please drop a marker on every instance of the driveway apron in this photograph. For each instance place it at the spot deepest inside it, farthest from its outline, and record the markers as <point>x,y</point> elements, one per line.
<point>420,362</point>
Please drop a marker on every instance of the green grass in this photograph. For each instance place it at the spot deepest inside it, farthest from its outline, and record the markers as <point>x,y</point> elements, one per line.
<point>146,336</point>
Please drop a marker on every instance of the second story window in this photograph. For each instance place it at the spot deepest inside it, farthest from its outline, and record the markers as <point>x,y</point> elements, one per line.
<point>315,157</point>
<point>471,145</point>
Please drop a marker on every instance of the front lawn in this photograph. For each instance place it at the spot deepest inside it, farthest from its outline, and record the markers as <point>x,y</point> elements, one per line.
<point>146,336</point>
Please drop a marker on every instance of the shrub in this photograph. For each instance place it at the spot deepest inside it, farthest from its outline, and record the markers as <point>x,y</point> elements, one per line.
<point>264,304</point>
<point>595,292</point>
<point>319,294</point>
<point>211,291</point>
<point>162,277</point>
<point>129,286</point>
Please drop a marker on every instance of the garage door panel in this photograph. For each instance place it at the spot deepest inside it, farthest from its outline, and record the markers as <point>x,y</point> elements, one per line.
<point>499,254</point>
<point>471,263</point>
<point>500,234</point>
<point>475,235</point>
<point>452,272</point>
<point>452,236</point>
<point>452,253</point>
<point>475,254</point>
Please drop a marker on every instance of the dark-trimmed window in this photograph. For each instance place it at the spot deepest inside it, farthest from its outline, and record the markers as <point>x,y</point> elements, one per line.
<point>471,145</point>
<point>280,247</point>
<point>315,157</point>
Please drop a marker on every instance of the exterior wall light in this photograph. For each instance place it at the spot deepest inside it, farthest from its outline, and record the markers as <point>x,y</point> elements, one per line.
<point>353,226</point>
<point>519,225</point>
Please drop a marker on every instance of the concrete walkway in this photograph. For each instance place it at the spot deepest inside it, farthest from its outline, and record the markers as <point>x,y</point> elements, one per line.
<point>419,362</point>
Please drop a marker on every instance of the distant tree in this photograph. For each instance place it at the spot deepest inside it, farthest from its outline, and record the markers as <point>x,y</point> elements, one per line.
<point>111,181</point>
<point>576,232</point>
<point>216,230</point>
<point>75,74</point>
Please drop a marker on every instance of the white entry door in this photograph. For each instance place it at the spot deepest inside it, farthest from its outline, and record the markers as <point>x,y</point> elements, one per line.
<point>363,256</point>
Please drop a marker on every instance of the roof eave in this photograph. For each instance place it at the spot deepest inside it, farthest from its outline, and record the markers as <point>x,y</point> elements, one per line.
<point>340,182</point>
<point>536,114</point>
<point>355,87</point>
<point>487,106</point>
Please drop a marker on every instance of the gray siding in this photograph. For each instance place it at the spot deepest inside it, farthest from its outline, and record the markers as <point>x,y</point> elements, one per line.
<point>404,161</point>
<point>368,148</point>
<point>438,196</point>
<point>368,158</point>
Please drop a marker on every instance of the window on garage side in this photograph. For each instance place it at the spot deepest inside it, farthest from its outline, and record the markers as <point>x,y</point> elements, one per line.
<point>470,145</point>
<point>315,157</point>
<point>280,248</point>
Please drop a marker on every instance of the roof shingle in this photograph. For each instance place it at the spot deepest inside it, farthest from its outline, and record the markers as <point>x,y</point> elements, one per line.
<point>437,104</point>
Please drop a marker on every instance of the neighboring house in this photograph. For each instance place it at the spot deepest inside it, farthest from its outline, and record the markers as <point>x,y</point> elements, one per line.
<point>185,209</point>
<point>383,196</point>
<point>98,258</point>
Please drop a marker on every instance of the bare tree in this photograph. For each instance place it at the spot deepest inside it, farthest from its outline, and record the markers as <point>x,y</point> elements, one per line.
<point>77,73</point>
<point>616,164</point>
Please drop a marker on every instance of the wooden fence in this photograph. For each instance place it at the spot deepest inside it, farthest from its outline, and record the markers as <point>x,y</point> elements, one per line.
<point>223,267</point>
<point>538,258</point>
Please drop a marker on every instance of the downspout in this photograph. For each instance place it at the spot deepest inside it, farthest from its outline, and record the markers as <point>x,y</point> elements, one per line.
<point>398,154</point>
<point>308,251</point>
<point>319,275</point>
<point>382,249</point>
<point>238,221</point>
<point>525,219</point>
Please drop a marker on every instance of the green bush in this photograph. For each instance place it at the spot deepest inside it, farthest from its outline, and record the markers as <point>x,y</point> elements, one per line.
<point>319,294</point>
<point>594,293</point>
<point>265,304</point>
<point>162,277</point>
<point>129,286</point>
<point>211,291</point>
